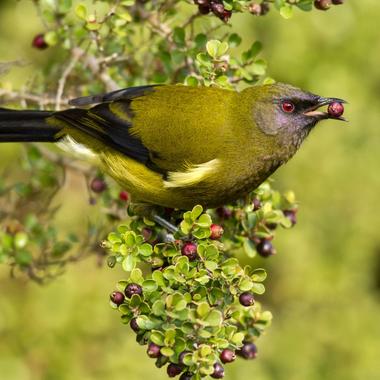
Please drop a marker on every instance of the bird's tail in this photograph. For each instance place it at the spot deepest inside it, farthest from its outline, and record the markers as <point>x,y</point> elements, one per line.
<point>29,126</point>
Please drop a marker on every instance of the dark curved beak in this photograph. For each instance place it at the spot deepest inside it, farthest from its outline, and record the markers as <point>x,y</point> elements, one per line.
<point>320,115</point>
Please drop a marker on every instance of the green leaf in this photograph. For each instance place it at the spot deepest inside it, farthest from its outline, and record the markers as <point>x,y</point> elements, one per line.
<point>212,47</point>
<point>211,265</point>
<point>130,238</point>
<point>249,248</point>
<point>167,351</point>
<point>136,276</point>
<point>237,338</point>
<point>258,288</point>
<point>20,240</point>
<point>203,309</point>
<point>259,275</point>
<point>145,249</point>
<point>234,40</point>
<point>286,11</point>
<point>245,284</point>
<point>215,318</point>
<point>149,286</point>
<point>179,36</point>
<point>157,337</point>
<point>204,221</point>
<point>158,308</point>
<point>129,263</point>
<point>196,212</point>
<point>81,11</point>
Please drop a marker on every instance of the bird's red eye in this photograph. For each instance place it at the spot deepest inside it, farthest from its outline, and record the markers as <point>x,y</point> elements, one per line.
<point>287,107</point>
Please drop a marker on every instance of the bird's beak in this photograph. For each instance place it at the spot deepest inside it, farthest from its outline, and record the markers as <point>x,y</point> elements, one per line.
<point>320,115</point>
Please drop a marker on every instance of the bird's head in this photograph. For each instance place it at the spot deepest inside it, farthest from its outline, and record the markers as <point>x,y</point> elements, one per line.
<point>290,113</point>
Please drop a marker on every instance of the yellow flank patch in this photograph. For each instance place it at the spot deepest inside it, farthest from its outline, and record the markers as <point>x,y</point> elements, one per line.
<point>193,175</point>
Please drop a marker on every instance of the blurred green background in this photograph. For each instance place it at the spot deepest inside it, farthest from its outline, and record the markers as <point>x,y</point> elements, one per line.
<point>323,286</point>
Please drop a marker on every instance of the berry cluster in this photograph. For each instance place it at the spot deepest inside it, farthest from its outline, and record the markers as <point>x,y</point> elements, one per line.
<point>214,6</point>
<point>324,5</point>
<point>196,310</point>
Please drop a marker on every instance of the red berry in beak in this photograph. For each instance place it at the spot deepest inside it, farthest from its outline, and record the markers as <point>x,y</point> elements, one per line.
<point>335,109</point>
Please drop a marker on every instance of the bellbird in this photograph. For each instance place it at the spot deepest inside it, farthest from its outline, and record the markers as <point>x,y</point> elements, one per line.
<point>178,146</point>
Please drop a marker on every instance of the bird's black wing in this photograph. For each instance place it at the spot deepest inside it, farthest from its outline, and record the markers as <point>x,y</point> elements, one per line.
<point>125,94</point>
<point>110,122</point>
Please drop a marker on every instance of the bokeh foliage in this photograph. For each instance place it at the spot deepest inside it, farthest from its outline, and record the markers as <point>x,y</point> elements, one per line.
<point>323,285</point>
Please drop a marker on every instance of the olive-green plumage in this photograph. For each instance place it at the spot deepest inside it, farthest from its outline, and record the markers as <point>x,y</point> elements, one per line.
<point>178,146</point>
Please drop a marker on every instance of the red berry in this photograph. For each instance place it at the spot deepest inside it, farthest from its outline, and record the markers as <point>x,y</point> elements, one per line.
<point>218,371</point>
<point>134,326</point>
<point>246,299</point>
<point>117,298</point>
<point>248,351</point>
<point>39,42</point>
<point>226,15</point>
<point>173,370</point>
<point>322,5</point>
<point>153,350</point>
<point>227,356</point>
<point>98,185</point>
<point>123,196</point>
<point>335,109</point>
<point>189,250</point>
<point>132,289</point>
<point>216,231</point>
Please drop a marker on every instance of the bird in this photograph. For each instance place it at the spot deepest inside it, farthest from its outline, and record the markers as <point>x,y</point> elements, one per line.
<point>178,146</point>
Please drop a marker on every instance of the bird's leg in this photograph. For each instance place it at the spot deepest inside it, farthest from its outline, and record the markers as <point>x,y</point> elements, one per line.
<point>165,224</point>
<point>150,212</point>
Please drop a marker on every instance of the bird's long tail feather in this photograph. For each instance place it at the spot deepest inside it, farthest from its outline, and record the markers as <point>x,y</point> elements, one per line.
<point>28,126</point>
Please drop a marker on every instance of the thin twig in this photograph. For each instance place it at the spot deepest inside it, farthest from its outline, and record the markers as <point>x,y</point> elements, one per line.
<point>76,55</point>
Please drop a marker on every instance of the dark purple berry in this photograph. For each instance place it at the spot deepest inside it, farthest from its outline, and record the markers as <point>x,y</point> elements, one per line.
<point>98,185</point>
<point>173,370</point>
<point>117,298</point>
<point>204,9</point>
<point>153,350</point>
<point>134,326</point>
<point>186,376</point>
<point>216,231</point>
<point>189,250</point>
<point>256,204</point>
<point>338,2</point>
<point>147,233</point>
<point>322,5</point>
<point>217,8</point>
<point>291,215</point>
<point>248,351</point>
<point>39,42</point>
<point>132,289</point>
<point>246,299</point>
<point>224,212</point>
<point>227,356</point>
<point>218,371</point>
<point>265,248</point>
<point>335,109</point>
